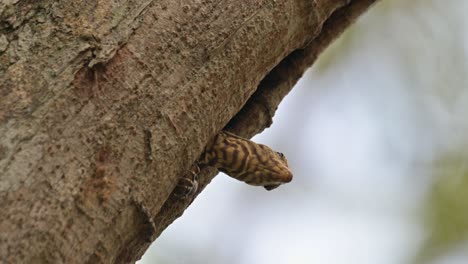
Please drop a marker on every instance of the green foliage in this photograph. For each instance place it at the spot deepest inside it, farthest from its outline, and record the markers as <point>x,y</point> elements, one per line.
<point>337,50</point>
<point>447,208</point>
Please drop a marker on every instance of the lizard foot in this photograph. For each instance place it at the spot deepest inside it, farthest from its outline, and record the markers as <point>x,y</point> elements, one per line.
<point>188,184</point>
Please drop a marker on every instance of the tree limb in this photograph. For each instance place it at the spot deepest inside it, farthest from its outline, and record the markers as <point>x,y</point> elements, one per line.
<point>104,106</point>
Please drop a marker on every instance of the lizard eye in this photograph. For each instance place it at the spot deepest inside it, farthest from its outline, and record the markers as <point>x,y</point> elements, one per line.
<point>280,154</point>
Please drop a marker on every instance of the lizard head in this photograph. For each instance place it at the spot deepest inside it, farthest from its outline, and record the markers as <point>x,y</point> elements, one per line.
<point>247,161</point>
<point>279,171</point>
<point>270,168</point>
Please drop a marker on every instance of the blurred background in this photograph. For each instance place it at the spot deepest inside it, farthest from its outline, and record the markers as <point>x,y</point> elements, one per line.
<point>376,134</point>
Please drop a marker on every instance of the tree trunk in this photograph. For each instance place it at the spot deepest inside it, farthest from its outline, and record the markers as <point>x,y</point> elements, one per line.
<point>104,105</point>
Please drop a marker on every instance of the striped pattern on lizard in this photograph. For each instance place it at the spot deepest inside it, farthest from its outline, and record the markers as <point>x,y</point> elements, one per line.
<point>247,161</point>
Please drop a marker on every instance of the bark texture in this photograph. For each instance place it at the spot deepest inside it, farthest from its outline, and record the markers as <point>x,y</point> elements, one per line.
<point>104,105</point>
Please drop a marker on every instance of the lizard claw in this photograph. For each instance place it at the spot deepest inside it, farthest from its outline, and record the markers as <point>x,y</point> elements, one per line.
<point>188,184</point>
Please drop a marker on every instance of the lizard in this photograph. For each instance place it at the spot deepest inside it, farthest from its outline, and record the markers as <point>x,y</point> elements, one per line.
<point>242,159</point>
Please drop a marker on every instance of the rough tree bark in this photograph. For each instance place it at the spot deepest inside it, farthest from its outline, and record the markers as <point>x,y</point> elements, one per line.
<point>104,105</point>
